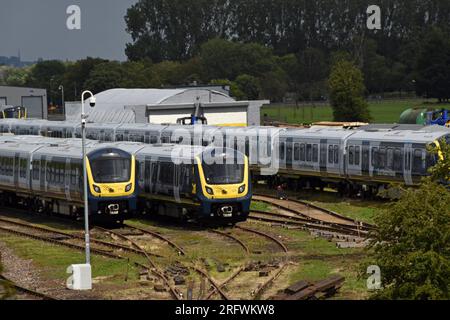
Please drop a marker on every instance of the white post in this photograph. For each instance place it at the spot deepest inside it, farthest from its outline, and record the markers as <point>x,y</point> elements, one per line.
<point>81,274</point>
<point>85,184</point>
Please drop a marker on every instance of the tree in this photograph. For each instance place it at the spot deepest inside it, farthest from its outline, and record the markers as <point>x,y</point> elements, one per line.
<point>222,59</point>
<point>76,75</point>
<point>441,171</point>
<point>249,85</point>
<point>110,75</point>
<point>48,74</point>
<point>346,92</point>
<point>433,66</point>
<point>411,244</point>
<point>174,29</point>
<point>11,76</point>
<point>235,91</point>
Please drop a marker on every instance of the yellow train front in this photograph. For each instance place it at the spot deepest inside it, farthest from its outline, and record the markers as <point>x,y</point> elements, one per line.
<point>197,183</point>
<point>225,187</point>
<point>112,183</point>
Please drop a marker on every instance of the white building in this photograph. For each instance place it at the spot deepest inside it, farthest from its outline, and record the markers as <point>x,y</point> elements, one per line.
<point>169,105</point>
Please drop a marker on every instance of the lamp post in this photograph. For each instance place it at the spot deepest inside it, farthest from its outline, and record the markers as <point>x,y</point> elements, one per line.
<point>63,102</point>
<point>85,184</point>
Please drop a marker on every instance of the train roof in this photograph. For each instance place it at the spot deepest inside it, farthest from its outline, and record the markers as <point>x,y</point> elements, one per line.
<point>424,135</point>
<point>318,133</point>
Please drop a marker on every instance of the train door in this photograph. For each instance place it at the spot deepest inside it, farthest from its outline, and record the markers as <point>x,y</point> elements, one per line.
<point>289,153</point>
<point>67,179</point>
<point>407,171</point>
<point>16,168</point>
<point>323,157</point>
<point>147,175</point>
<point>365,165</point>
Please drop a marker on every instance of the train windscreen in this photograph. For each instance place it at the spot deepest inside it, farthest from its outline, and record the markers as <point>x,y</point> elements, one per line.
<point>111,169</point>
<point>223,173</point>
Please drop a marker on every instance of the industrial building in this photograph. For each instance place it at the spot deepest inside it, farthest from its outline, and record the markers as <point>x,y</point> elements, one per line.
<point>34,100</point>
<point>168,105</point>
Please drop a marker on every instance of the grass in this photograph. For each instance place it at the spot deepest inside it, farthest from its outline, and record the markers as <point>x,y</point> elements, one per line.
<point>260,206</point>
<point>317,259</point>
<point>386,111</point>
<point>361,210</point>
<point>55,260</point>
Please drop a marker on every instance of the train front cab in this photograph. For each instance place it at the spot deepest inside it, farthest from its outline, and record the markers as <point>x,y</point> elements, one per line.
<point>225,190</point>
<point>112,184</point>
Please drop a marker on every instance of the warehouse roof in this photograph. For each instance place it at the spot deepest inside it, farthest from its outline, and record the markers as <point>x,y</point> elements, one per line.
<point>111,104</point>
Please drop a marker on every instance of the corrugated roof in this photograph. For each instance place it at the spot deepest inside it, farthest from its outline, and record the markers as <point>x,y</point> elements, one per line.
<point>110,105</point>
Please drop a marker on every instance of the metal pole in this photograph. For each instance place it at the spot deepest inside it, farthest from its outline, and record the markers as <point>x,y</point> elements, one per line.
<point>86,208</point>
<point>63,102</point>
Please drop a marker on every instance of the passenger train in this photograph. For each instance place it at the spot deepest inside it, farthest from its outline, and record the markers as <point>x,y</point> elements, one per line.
<point>45,175</point>
<point>364,159</point>
<point>202,183</point>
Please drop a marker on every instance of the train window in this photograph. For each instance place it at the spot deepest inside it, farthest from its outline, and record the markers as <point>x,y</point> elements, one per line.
<point>23,168</point>
<point>418,163</point>
<point>308,152</point>
<point>390,159</point>
<point>375,155</point>
<point>336,154</point>
<point>351,155</point>
<point>153,139</point>
<point>36,169</point>
<point>289,151</point>
<point>297,152</point>
<point>397,160</point>
<point>282,149</point>
<point>166,173</point>
<point>119,137</point>
<point>10,166</point>
<point>357,155</point>
<point>315,153</point>
<point>382,158</point>
<point>330,155</point>
<point>302,152</point>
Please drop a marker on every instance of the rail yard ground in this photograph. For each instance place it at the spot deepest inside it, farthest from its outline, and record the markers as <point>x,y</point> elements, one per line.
<point>41,265</point>
<point>382,111</point>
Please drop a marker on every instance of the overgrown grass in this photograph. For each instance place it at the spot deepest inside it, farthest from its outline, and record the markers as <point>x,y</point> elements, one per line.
<point>317,259</point>
<point>260,206</point>
<point>387,111</point>
<point>361,210</point>
<point>54,260</point>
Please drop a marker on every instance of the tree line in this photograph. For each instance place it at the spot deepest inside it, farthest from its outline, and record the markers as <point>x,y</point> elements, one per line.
<point>266,49</point>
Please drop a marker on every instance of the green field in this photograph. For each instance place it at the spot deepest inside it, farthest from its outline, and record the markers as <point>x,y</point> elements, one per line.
<point>387,111</point>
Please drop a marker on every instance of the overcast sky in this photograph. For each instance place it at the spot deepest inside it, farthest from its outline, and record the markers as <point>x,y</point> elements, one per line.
<point>38,29</point>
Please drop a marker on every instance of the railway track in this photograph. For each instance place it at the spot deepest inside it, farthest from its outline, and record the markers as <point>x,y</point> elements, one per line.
<point>329,231</point>
<point>309,216</point>
<point>218,288</point>
<point>262,288</point>
<point>160,237</point>
<point>101,247</point>
<point>153,268</point>
<point>24,290</point>
<point>240,269</point>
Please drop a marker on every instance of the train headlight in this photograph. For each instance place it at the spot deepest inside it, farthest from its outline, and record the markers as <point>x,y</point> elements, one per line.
<point>241,189</point>
<point>128,187</point>
<point>210,191</point>
<point>97,189</point>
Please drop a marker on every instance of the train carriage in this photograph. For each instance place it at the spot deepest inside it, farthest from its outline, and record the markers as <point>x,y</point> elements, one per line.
<point>384,156</point>
<point>176,180</point>
<point>314,157</point>
<point>46,175</point>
